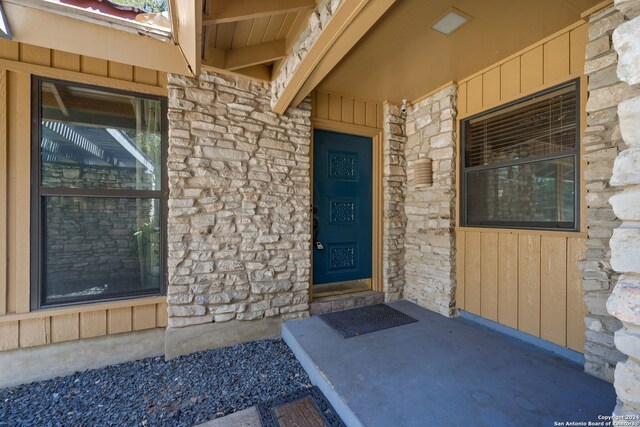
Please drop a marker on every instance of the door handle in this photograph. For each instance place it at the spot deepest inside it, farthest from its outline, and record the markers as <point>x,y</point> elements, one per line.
<point>316,230</point>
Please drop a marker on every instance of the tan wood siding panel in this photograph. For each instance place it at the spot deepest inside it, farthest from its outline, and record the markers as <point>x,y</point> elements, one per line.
<point>322,105</point>
<point>95,66</point>
<point>35,55</point>
<point>9,336</point>
<point>531,71</point>
<point>578,40</point>
<point>472,299</point>
<point>19,134</point>
<point>162,316</point>
<point>3,192</point>
<point>542,65</point>
<point>145,76</point>
<point>359,113</point>
<point>489,275</point>
<point>65,60</point>
<point>119,320</point>
<point>553,289</point>
<point>462,98</point>
<point>460,276</point>
<point>335,108</point>
<point>371,119</point>
<point>575,301</point>
<point>491,87</point>
<point>345,109</point>
<point>65,327</point>
<point>9,50</point>
<point>144,317</point>
<point>556,58</point>
<point>508,280</point>
<point>93,324</point>
<point>474,94</point>
<point>34,332</point>
<point>120,71</point>
<point>510,79</point>
<point>529,284</point>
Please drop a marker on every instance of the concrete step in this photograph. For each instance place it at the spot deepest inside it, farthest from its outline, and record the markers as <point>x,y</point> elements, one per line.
<point>319,379</point>
<point>344,302</point>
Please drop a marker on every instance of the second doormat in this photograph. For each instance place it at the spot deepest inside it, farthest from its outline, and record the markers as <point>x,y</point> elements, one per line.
<point>304,408</point>
<point>363,320</point>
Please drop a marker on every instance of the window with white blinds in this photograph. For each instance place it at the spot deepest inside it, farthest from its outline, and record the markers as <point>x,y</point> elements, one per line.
<point>520,163</point>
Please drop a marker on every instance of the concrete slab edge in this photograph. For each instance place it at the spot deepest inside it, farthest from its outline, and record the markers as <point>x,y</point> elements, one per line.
<point>319,380</point>
<point>191,339</point>
<point>563,352</point>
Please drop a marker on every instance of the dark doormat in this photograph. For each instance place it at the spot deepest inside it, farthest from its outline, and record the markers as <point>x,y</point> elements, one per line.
<point>362,320</point>
<point>304,408</point>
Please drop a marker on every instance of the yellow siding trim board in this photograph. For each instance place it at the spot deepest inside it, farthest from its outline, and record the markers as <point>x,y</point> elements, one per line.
<point>3,192</point>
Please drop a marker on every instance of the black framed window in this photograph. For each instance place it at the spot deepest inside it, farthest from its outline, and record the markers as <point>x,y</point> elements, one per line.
<point>99,190</point>
<point>520,163</point>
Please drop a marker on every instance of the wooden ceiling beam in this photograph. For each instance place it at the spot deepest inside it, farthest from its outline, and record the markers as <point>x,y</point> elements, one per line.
<point>222,11</point>
<point>245,57</point>
<point>254,55</point>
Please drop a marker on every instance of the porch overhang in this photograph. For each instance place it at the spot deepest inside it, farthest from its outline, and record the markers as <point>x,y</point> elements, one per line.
<point>109,41</point>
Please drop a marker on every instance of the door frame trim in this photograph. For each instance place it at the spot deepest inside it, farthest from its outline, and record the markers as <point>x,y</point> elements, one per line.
<point>377,200</point>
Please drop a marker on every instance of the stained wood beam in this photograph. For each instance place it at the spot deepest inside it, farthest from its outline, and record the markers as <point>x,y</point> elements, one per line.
<point>254,55</point>
<point>189,32</point>
<point>222,11</point>
<point>347,26</point>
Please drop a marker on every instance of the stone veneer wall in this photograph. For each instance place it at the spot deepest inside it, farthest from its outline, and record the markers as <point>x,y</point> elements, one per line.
<point>624,302</point>
<point>394,189</point>
<point>430,211</point>
<point>317,22</point>
<point>238,226</point>
<point>602,143</point>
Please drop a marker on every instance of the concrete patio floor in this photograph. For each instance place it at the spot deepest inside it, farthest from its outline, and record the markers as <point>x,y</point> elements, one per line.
<point>444,372</point>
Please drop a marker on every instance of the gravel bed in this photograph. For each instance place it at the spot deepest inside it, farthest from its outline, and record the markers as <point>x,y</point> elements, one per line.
<point>151,392</point>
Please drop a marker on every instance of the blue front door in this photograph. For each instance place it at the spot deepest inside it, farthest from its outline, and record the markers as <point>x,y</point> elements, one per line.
<point>342,199</point>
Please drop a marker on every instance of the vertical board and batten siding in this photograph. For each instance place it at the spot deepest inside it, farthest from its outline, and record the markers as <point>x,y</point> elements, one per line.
<point>19,327</point>
<point>346,109</point>
<point>528,280</point>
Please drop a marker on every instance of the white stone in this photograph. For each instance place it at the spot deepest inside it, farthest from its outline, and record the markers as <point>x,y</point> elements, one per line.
<point>626,204</point>
<point>625,250</point>
<point>629,114</point>
<point>624,301</point>
<point>626,168</point>
<point>627,382</point>
<point>626,41</point>
<point>628,342</point>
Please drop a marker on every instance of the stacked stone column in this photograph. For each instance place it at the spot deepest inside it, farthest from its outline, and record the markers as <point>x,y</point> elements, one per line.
<point>394,187</point>
<point>624,302</point>
<point>430,211</point>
